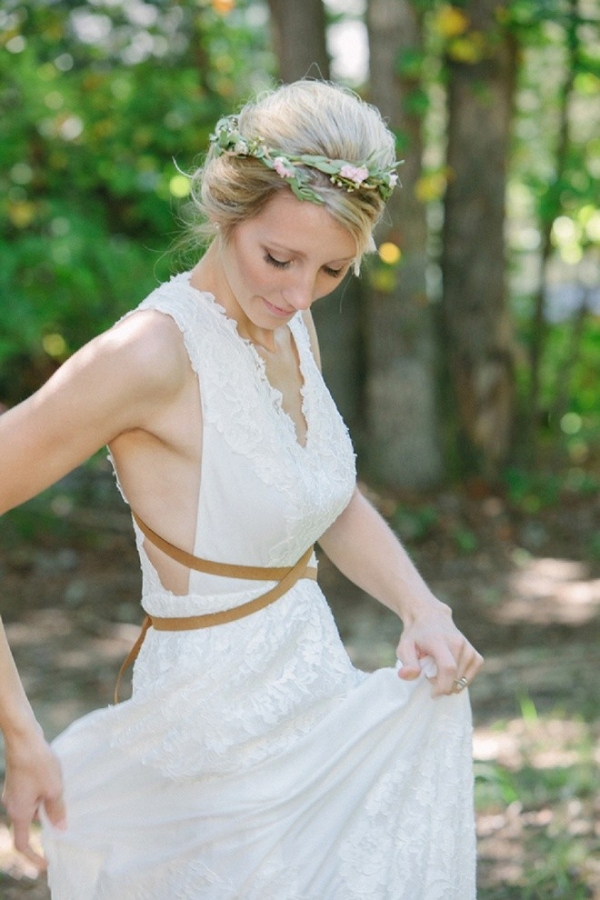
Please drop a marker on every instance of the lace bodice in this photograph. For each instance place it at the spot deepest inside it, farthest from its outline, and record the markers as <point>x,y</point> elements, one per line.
<point>264,497</point>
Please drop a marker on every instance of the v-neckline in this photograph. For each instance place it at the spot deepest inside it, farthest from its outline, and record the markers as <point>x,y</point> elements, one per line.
<point>275,395</point>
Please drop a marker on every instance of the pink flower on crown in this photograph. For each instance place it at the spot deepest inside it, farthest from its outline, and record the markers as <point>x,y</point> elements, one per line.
<point>357,174</point>
<point>282,167</point>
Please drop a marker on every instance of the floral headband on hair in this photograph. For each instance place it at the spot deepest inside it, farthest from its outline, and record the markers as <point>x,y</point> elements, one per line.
<point>348,176</point>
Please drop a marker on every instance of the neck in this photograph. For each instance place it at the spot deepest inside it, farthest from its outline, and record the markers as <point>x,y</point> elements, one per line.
<point>210,275</point>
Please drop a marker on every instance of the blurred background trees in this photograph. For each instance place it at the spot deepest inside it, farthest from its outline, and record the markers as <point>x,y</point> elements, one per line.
<point>470,346</point>
<point>465,359</point>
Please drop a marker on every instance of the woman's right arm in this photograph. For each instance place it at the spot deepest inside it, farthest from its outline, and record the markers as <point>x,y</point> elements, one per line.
<point>33,776</point>
<point>118,382</point>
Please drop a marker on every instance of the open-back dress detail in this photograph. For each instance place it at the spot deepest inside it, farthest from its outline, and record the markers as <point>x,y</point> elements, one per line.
<point>253,761</point>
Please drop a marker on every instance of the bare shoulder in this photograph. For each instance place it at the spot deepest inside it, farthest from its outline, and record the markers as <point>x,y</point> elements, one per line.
<point>121,381</point>
<point>124,375</point>
<point>312,333</point>
<point>149,345</point>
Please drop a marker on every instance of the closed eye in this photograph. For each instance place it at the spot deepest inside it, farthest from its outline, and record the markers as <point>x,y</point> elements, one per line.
<point>278,263</point>
<point>286,263</point>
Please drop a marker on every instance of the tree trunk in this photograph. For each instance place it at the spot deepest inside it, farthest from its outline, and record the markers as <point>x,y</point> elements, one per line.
<point>550,208</point>
<point>477,321</point>
<point>299,37</point>
<point>403,441</point>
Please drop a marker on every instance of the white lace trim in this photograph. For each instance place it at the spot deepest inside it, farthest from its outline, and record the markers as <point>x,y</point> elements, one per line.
<point>247,412</point>
<point>418,820</point>
<point>249,697</point>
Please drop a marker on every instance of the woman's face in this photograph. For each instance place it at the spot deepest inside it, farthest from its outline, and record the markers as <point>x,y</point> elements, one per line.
<point>282,260</point>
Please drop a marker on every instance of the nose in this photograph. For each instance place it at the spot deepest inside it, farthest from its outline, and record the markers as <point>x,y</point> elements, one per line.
<point>300,293</point>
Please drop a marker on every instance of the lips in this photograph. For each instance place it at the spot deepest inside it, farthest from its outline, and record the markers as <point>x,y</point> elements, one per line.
<point>277,311</point>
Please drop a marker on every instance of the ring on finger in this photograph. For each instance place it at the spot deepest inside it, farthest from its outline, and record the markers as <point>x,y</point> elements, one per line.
<point>460,684</point>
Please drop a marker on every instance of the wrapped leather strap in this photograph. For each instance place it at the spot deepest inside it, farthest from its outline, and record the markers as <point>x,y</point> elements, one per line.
<point>286,578</point>
<point>229,570</point>
<point>207,620</point>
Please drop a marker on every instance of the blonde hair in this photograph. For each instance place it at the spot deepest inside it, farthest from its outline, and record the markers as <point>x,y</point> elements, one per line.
<point>305,117</point>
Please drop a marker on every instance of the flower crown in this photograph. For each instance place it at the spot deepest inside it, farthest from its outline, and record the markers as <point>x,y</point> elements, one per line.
<point>228,140</point>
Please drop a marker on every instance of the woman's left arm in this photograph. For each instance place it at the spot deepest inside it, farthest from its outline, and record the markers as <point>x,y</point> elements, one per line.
<point>366,550</point>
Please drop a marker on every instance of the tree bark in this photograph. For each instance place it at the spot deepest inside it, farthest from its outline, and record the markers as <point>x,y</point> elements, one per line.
<point>552,206</point>
<point>477,321</point>
<point>299,38</point>
<point>403,437</point>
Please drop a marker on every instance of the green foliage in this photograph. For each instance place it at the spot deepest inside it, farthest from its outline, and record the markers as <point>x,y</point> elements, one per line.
<point>554,214</point>
<point>414,524</point>
<point>545,811</point>
<point>494,786</point>
<point>531,491</point>
<point>105,106</point>
<point>553,199</point>
<point>100,108</point>
<point>529,712</point>
<point>465,539</point>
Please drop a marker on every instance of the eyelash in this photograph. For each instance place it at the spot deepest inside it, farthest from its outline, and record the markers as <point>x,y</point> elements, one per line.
<point>278,263</point>
<point>283,264</point>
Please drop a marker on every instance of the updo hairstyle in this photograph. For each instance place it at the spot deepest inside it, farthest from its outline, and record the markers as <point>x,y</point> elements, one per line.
<point>305,117</point>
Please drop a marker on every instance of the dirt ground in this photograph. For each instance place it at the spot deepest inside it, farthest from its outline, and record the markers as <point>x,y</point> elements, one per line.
<point>524,586</point>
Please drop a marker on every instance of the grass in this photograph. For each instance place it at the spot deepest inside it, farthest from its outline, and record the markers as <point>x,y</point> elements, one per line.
<point>537,795</point>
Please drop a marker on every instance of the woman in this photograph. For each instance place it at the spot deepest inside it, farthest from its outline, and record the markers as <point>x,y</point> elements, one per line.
<point>253,761</point>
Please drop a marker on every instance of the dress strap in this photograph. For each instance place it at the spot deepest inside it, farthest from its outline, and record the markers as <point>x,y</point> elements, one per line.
<point>286,578</point>
<point>229,570</point>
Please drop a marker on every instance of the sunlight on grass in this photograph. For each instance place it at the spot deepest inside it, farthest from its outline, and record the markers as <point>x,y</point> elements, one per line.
<point>538,798</point>
<point>558,590</point>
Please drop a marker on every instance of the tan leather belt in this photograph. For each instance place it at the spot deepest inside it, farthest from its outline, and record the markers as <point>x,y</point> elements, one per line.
<point>286,578</point>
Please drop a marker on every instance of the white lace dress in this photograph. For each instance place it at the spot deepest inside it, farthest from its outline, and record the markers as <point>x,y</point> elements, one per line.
<point>254,762</point>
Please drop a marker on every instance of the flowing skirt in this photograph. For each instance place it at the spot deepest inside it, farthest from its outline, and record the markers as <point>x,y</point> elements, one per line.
<point>338,786</point>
